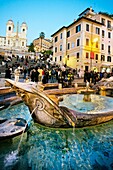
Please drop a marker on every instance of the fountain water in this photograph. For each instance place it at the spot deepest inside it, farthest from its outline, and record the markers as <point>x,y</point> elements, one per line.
<point>13,157</point>
<point>55,148</point>
<point>25,129</point>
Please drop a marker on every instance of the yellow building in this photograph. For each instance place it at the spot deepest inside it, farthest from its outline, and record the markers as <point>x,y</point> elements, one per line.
<point>86,44</point>
<point>41,45</point>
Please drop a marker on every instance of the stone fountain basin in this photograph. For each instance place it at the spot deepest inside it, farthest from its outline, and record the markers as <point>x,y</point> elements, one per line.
<point>72,111</point>
<point>98,110</point>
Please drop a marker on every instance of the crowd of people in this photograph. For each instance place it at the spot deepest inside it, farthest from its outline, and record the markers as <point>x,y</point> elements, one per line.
<point>94,77</point>
<point>53,74</point>
<point>62,75</point>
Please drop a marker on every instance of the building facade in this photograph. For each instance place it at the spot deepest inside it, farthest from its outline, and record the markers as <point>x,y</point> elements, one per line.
<point>15,42</point>
<point>41,45</point>
<point>87,43</point>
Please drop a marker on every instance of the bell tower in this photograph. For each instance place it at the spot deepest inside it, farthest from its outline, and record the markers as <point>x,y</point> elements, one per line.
<point>9,32</point>
<point>23,34</point>
<point>24,29</point>
<point>10,27</point>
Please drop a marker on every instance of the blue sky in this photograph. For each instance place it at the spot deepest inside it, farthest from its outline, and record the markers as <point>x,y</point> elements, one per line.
<point>46,15</point>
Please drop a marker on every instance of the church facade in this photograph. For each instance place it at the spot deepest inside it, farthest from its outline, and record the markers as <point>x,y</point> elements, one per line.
<point>15,42</point>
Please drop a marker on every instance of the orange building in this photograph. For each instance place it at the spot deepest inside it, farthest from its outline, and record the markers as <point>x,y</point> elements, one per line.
<point>41,45</point>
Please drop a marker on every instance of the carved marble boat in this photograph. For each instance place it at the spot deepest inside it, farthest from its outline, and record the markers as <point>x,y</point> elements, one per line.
<point>5,90</point>
<point>10,128</point>
<point>8,97</point>
<point>45,108</point>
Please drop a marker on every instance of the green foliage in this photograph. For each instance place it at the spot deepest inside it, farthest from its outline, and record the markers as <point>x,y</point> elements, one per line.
<point>47,52</point>
<point>31,48</point>
<point>42,35</point>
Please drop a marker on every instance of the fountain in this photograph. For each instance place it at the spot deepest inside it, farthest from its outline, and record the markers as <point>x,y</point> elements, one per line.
<point>55,148</point>
<point>87,92</point>
<point>67,113</point>
<point>104,86</point>
<point>60,148</point>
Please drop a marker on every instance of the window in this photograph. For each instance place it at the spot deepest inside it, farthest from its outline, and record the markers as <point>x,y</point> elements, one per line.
<point>55,58</point>
<point>77,55</point>
<point>108,24</point>
<point>109,34</point>
<point>102,46</point>
<point>78,42</point>
<point>9,28</point>
<point>96,44</point>
<point>60,47</point>
<point>8,41</point>
<point>55,49</point>
<point>87,55</point>
<point>87,27</point>
<point>103,21</point>
<point>109,58</point>
<point>102,57</point>
<point>108,49</point>
<point>68,57</point>
<point>103,33</point>
<point>73,45</point>
<point>68,34</point>
<point>68,46</point>
<point>87,41</point>
<point>97,30</point>
<point>56,39</point>
<point>78,28</point>
<point>61,36</point>
<point>22,43</point>
<point>23,30</point>
<point>96,57</point>
<point>60,58</point>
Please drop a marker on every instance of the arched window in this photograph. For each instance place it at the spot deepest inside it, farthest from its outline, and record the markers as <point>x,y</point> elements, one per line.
<point>109,58</point>
<point>60,58</point>
<point>9,28</point>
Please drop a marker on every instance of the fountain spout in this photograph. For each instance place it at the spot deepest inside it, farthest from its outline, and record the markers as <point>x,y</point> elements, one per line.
<point>87,92</point>
<point>87,85</point>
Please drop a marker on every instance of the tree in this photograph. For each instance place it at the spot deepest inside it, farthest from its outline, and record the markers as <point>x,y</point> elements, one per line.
<point>46,54</point>
<point>31,48</point>
<point>42,36</point>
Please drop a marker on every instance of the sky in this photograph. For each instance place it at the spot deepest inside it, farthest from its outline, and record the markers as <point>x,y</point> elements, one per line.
<point>46,15</point>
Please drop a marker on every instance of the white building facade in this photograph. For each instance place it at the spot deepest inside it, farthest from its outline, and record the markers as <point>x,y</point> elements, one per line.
<point>15,42</point>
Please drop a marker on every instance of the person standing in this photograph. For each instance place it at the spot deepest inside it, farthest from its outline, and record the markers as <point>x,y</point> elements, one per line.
<point>36,75</point>
<point>8,73</point>
<point>25,72</point>
<point>40,73</point>
<point>17,74</point>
